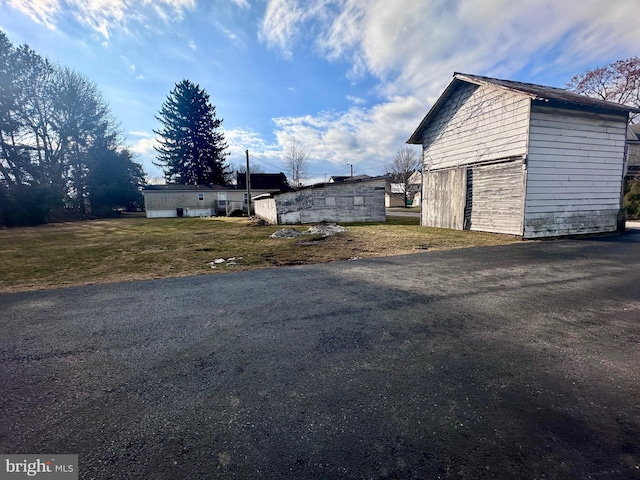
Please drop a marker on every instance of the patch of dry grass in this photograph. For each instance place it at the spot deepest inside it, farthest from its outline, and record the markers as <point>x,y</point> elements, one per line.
<point>137,248</point>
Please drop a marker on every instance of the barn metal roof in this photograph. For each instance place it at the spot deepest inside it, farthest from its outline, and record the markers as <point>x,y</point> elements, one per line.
<point>552,96</point>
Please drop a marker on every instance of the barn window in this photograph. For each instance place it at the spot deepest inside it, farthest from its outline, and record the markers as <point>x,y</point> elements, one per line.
<point>358,201</point>
<point>201,196</point>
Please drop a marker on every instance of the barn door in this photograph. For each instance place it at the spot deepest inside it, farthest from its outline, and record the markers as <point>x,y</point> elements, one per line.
<point>495,198</point>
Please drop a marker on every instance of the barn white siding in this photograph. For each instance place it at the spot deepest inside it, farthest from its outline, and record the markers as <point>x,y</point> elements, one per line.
<point>444,193</point>
<point>575,171</point>
<point>495,197</point>
<point>476,124</point>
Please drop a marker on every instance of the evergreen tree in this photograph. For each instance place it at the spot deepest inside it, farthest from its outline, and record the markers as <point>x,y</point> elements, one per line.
<point>191,151</point>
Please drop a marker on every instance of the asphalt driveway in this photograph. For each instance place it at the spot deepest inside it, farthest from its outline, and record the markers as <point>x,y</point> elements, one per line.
<point>520,361</point>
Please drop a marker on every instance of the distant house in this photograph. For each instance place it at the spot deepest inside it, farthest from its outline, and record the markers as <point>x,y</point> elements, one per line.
<point>189,200</point>
<point>263,182</point>
<point>523,159</point>
<point>395,192</point>
<point>633,151</point>
<point>338,178</point>
<point>357,200</point>
<point>208,200</point>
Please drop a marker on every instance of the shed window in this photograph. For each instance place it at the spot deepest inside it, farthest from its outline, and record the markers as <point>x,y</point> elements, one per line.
<point>201,196</point>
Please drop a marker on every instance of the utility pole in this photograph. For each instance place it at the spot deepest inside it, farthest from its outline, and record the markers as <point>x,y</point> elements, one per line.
<point>248,186</point>
<point>351,165</point>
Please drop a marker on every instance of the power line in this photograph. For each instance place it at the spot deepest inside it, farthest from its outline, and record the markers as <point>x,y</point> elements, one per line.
<point>265,162</point>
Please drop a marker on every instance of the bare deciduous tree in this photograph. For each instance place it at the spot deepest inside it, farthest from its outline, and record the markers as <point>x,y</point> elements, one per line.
<point>617,82</point>
<point>405,162</point>
<point>296,161</point>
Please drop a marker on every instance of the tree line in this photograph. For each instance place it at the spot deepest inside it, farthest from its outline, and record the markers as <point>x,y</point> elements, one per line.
<point>61,151</point>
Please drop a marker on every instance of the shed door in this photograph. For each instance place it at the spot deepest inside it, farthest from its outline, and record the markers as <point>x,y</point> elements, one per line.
<point>495,198</point>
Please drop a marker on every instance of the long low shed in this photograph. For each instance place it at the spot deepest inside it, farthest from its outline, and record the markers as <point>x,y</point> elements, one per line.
<point>359,200</point>
<point>522,159</point>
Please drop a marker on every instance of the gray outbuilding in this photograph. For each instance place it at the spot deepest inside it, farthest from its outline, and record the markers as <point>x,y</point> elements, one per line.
<point>522,159</point>
<point>357,200</point>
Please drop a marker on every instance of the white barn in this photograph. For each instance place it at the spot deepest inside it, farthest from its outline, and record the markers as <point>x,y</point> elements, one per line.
<point>522,159</point>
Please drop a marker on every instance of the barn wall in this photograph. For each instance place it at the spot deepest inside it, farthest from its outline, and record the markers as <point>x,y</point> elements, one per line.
<point>476,124</point>
<point>265,208</point>
<point>495,197</point>
<point>575,170</point>
<point>444,198</point>
<point>336,202</point>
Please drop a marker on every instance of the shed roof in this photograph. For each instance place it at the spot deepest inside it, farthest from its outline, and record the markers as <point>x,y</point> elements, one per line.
<point>361,179</point>
<point>551,96</point>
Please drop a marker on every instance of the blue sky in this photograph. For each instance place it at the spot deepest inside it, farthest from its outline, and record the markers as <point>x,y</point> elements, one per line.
<point>348,79</point>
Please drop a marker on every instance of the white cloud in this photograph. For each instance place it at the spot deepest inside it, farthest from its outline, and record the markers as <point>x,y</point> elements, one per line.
<point>144,146</point>
<point>413,48</point>
<point>282,19</point>
<point>230,35</point>
<point>42,11</point>
<point>279,25</point>
<point>366,138</point>
<point>241,3</point>
<point>356,100</point>
<point>100,15</point>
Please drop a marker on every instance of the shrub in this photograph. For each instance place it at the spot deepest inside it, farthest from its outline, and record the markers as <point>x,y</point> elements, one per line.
<point>632,198</point>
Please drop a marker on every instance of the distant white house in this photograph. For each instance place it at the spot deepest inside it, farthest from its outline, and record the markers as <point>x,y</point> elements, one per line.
<point>523,159</point>
<point>395,192</point>
<point>208,200</point>
<point>161,201</point>
<point>633,151</point>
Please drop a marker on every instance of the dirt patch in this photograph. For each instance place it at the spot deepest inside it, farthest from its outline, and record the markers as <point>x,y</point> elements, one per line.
<point>323,229</point>
<point>326,229</point>
<point>286,233</point>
